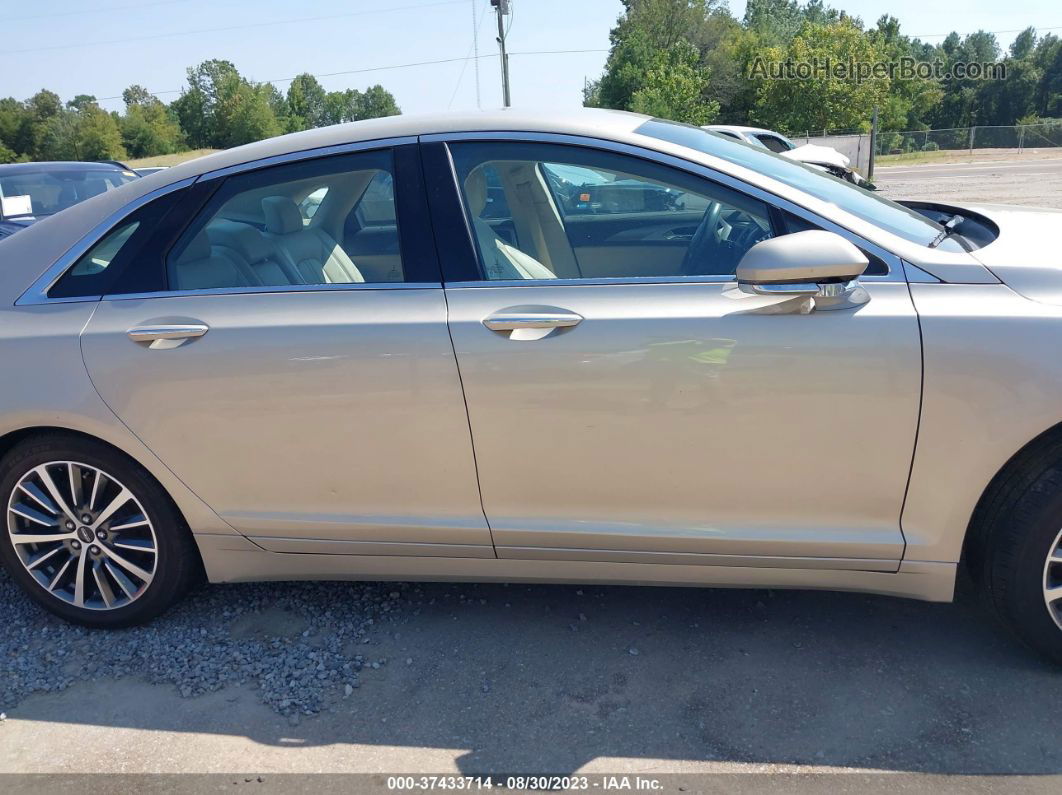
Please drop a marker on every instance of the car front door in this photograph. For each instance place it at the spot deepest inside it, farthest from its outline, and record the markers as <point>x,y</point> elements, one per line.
<point>293,367</point>
<point>628,404</point>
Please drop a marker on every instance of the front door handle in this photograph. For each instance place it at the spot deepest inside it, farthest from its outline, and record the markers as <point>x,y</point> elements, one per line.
<point>167,335</point>
<point>514,320</point>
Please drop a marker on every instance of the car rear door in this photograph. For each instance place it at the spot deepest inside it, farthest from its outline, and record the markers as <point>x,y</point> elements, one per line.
<point>314,415</point>
<point>650,413</point>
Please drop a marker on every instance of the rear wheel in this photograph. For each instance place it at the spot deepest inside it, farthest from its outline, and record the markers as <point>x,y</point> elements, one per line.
<point>1016,550</point>
<point>89,534</point>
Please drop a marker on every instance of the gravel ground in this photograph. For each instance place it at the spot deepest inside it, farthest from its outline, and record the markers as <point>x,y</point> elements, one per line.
<point>292,643</point>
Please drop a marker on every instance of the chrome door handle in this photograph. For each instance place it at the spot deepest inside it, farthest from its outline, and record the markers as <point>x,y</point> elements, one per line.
<point>512,321</point>
<point>156,333</point>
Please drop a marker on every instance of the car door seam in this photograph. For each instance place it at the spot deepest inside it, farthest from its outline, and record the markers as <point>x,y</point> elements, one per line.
<point>918,419</point>
<point>468,419</point>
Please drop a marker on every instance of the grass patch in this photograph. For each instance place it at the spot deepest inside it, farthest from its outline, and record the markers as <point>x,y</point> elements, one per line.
<point>170,160</point>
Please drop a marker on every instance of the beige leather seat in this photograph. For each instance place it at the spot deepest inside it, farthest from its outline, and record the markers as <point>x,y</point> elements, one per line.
<point>310,252</point>
<point>256,252</point>
<point>500,260</point>
<point>202,266</point>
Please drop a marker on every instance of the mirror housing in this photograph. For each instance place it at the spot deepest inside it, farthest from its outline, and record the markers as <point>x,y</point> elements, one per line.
<point>818,264</point>
<point>811,257</point>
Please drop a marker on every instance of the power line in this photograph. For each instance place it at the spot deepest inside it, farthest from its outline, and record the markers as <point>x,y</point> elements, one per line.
<point>386,68</point>
<point>475,51</point>
<point>471,55</point>
<point>993,32</point>
<point>108,9</point>
<point>241,26</point>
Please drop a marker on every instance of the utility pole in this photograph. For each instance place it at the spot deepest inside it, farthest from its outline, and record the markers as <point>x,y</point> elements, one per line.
<point>502,9</point>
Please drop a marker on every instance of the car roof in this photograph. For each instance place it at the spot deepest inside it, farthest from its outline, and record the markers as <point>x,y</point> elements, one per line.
<point>57,165</point>
<point>576,121</point>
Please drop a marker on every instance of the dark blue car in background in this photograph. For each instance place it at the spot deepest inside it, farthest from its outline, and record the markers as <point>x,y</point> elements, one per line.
<point>29,191</point>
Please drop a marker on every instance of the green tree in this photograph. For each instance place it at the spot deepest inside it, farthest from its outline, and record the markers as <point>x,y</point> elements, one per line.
<point>376,102</point>
<point>306,103</point>
<point>653,37</point>
<point>148,127</point>
<point>673,88</point>
<point>248,115</point>
<point>827,101</point>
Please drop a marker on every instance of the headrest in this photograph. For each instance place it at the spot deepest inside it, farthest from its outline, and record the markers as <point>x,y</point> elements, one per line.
<point>244,239</point>
<point>93,187</point>
<point>198,248</point>
<point>476,191</point>
<point>282,216</point>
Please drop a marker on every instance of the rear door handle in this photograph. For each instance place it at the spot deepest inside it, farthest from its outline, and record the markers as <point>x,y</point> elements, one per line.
<point>167,333</point>
<point>512,320</point>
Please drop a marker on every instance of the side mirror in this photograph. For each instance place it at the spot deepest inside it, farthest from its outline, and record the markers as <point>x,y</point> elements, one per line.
<point>814,263</point>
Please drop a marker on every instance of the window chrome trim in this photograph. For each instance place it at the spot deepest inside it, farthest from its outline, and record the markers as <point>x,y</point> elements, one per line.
<point>619,281</point>
<point>37,293</point>
<point>274,289</point>
<point>308,154</point>
<point>892,261</point>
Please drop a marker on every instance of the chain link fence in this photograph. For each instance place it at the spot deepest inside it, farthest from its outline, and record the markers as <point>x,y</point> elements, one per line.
<point>1014,138</point>
<point>1018,137</point>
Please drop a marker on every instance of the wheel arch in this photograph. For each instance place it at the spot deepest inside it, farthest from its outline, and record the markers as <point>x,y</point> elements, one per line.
<point>1016,473</point>
<point>194,514</point>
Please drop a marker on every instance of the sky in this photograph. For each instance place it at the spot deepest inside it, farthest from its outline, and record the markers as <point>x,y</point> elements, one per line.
<point>75,47</point>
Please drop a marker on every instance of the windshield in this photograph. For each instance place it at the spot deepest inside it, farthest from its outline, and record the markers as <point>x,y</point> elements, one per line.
<point>38,193</point>
<point>874,209</point>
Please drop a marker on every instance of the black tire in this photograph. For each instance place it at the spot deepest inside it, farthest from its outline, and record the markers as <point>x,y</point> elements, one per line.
<point>1013,530</point>
<point>177,564</point>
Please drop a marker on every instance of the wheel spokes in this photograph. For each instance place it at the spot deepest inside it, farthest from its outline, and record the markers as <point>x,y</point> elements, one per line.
<point>59,574</point>
<point>127,564</point>
<point>33,515</point>
<point>100,564</point>
<point>74,476</point>
<point>44,557</point>
<point>104,587</point>
<point>96,482</point>
<point>31,538</point>
<point>123,497</point>
<point>38,496</point>
<point>135,544</point>
<point>53,490</point>
<point>123,582</point>
<point>79,579</point>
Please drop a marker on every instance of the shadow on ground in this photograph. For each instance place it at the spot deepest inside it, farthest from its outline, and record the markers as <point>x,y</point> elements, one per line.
<point>550,678</point>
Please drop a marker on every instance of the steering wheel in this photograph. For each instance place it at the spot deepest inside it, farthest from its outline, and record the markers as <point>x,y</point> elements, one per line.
<point>704,244</point>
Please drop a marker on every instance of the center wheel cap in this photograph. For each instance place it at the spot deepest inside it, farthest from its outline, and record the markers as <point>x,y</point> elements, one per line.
<point>85,534</point>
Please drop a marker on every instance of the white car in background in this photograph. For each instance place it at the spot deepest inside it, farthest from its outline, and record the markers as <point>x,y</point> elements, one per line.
<point>824,157</point>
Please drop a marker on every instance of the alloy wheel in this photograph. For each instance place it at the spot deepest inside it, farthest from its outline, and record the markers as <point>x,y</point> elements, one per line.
<point>1053,580</point>
<point>82,535</point>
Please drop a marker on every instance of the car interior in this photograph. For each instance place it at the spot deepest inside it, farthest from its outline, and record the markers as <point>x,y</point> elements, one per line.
<point>52,191</point>
<point>335,229</point>
<point>538,220</point>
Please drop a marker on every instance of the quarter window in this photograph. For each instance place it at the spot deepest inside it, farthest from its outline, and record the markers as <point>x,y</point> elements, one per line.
<point>543,211</point>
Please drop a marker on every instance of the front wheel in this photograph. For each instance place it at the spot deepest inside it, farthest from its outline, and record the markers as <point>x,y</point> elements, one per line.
<point>1017,557</point>
<point>90,535</point>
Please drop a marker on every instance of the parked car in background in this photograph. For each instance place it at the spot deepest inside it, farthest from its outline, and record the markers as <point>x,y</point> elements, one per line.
<point>730,369</point>
<point>825,158</point>
<point>30,191</point>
